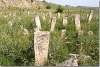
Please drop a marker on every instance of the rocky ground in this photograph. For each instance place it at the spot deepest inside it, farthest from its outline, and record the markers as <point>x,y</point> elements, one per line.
<point>19,3</point>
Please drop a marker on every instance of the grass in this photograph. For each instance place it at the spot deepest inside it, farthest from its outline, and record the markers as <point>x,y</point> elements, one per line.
<point>17,48</point>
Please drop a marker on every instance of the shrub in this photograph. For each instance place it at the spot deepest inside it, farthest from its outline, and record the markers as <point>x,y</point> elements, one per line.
<point>48,7</point>
<point>59,9</point>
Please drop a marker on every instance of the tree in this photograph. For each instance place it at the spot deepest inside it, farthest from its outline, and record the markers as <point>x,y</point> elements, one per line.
<point>59,9</point>
<point>48,7</point>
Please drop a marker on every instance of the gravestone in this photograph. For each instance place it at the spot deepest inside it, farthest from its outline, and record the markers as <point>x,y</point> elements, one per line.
<point>38,24</point>
<point>10,23</point>
<point>72,61</point>
<point>28,13</point>
<point>77,22</point>
<point>41,45</point>
<point>58,14</point>
<point>90,16</point>
<point>87,15</point>
<point>63,32</point>
<point>53,23</point>
<point>44,17</point>
<point>25,31</point>
<point>65,21</point>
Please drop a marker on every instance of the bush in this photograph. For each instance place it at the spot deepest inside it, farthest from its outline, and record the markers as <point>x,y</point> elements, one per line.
<point>48,7</point>
<point>59,9</point>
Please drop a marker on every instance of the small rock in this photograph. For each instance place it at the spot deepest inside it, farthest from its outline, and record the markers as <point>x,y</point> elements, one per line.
<point>90,33</point>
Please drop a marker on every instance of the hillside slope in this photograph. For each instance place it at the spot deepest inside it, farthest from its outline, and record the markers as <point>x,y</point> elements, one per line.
<point>19,3</point>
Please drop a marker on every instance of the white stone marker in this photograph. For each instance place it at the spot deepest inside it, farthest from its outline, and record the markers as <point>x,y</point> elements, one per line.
<point>25,31</point>
<point>87,15</point>
<point>72,61</point>
<point>38,24</point>
<point>58,14</point>
<point>44,17</point>
<point>28,13</point>
<point>53,23</point>
<point>10,23</point>
<point>75,59</point>
<point>65,21</point>
<point>41,45</point>
<point>77,22</point>
<point>90,16</point>
<point>63,31</point>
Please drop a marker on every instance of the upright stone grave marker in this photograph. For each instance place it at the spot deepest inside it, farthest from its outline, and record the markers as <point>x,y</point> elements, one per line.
<point>65,21</point>
<point>90,16</point>
<point>44,17</point>
<point>77,22</point>
<point>28,13</point>
<point>25,31</point>
<point>41,45</point>
<point>63,31</point>
<point>58,14</point>
<point>53,23</point>
<point>87,15</point>
<point>38,24</point>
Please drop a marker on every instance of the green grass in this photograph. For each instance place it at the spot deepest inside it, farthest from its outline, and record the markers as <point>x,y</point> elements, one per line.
<point>17,48</point>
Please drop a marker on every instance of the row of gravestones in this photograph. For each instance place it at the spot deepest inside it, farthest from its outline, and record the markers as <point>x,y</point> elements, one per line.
<point>44,14</point>
<point>41,38</point>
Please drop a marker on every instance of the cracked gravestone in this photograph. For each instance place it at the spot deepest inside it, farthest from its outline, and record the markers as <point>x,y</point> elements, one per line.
<point>72,61</point>
<point>41,45</point>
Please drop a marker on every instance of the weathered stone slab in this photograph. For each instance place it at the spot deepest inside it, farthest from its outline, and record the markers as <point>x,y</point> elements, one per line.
<point>63,31</point>
<point>41,45</point>
<point>72,61</point>
<point>53,23</point>
<point>38,24</point>
<point>65,21</point>
<point>77,22</point>
<point>87,15</point>
<point>58,14</point>
<point>44,17</point>
<point>90,16</point>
